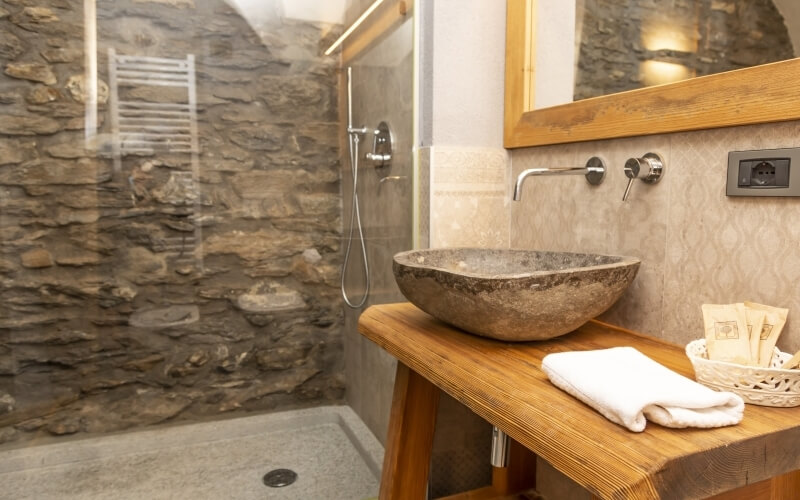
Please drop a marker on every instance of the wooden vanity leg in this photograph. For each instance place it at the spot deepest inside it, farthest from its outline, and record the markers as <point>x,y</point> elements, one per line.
<point>786,486</point>
<point>410,437</point>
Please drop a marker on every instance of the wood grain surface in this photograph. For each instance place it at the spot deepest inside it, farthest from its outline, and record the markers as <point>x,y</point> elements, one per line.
<point>519,76</point>
<point>383,21</point>
<point>410,439</point>
<point>504,384</point>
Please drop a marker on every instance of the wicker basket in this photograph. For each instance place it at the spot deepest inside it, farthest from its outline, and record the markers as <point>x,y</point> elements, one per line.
<point>756,385</point>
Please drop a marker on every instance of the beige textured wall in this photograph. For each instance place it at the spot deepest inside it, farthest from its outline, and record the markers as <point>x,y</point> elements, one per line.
<point>696,244</point>
<point>468,201</point>
<point>468,40</point>
<point>463,168</point>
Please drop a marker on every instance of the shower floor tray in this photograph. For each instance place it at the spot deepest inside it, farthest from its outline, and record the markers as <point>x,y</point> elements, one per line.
<point>332,452</point>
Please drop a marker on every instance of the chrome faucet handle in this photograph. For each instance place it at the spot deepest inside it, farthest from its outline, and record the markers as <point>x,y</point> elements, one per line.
<point>379,160</point>
<point>648,169</point>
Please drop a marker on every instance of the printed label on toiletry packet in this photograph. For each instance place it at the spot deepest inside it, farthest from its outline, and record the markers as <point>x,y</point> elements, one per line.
<point>765,331</point>
<point>726,330</point>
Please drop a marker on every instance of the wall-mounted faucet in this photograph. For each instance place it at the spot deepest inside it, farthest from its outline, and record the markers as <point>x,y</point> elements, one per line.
<point>594,171</point>
<point>649,169</point>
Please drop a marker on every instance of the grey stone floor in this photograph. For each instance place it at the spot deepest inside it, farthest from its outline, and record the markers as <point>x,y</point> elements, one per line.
<point>332,451</point>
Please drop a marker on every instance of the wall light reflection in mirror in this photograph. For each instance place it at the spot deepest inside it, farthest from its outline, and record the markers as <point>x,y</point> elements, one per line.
<point>668,34</point>
<point>660,72</point>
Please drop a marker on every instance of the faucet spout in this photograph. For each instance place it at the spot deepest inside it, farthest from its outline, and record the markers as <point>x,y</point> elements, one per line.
<point>594,171</point>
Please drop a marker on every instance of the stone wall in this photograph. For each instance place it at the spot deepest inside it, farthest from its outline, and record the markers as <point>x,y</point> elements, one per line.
<point>133,298</point>
<point>619,37</point>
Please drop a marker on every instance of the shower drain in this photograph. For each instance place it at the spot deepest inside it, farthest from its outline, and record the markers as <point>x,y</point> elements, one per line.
<point>279,478</point>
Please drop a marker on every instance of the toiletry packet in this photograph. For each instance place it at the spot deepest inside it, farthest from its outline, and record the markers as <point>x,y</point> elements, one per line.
<point>726,333</point>
<point>774,321</point>
<point>755,324</point>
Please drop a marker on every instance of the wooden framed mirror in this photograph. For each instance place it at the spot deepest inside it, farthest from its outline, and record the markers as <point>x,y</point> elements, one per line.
<point>761,94</point>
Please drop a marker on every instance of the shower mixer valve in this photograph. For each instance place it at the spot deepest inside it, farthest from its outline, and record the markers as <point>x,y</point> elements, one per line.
<point>381,155</point>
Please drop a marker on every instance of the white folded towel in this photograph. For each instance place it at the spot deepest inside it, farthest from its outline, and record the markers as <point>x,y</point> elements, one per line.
<point>626,386</point>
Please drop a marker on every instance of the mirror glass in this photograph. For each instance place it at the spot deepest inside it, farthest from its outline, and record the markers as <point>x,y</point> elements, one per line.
<point>621,45</point>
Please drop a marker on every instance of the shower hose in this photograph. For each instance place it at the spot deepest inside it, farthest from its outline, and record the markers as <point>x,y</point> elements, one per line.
<point>355,221</point>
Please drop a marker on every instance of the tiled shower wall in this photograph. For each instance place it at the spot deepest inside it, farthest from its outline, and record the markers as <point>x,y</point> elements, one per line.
<point>382,88</point>
<point>696,245</point>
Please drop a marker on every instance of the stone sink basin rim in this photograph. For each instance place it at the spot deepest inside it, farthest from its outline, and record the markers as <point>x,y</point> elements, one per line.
<point>513,294</point>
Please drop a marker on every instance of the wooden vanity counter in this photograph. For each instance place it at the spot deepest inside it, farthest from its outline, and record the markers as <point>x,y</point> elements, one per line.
<point>504,384</point>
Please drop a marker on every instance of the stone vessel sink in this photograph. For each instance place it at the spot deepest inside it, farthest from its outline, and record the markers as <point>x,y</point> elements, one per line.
<point>512,295</point>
